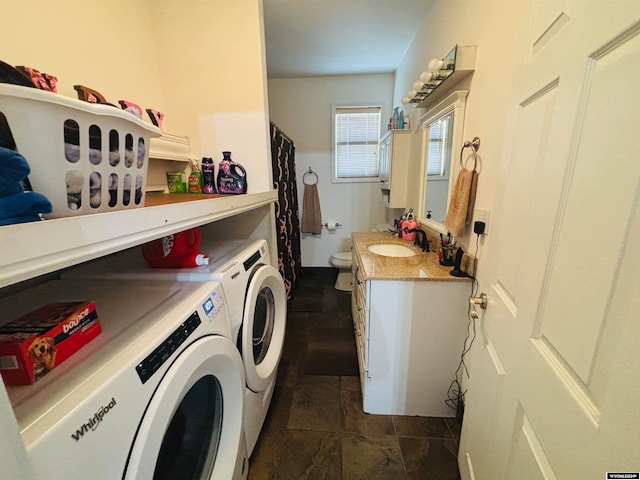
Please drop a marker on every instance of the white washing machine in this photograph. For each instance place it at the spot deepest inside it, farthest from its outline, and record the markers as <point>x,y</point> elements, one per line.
<point>256,298</point>
<point>158,394</point>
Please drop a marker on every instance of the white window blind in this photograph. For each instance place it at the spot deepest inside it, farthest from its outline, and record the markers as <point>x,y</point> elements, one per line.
<point>438,141</point>
<point>357,132</point>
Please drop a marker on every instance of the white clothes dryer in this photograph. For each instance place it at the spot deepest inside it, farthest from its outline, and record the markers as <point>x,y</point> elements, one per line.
<point>257,302</point>
<point>158,394</point>
<point>256,298</point>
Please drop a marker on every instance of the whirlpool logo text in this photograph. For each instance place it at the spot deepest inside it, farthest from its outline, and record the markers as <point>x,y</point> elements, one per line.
<point>94,421</point>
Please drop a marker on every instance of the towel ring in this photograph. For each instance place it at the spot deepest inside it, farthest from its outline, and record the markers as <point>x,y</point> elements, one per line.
<point>307,174</point>
<point>475,146</point>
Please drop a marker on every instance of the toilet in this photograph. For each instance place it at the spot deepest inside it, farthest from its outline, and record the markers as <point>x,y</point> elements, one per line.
<point>342,261</point>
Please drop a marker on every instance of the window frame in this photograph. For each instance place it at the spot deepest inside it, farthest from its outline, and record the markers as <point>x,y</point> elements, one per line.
<point>334,167</point>
<point>444,142</point>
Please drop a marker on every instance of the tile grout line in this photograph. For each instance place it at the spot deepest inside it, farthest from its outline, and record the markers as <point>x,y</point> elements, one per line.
<point>395,430</point>
<point>453,436</point>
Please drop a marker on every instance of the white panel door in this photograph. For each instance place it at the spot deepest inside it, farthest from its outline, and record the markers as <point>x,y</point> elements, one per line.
<point>554,388</point>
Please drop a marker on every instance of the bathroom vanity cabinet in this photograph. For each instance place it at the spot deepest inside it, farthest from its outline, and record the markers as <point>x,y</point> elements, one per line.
<point>409,338</point>
<point>394,166</point>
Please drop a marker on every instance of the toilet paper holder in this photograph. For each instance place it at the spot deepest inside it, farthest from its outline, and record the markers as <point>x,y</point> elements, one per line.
<point>332,225</point>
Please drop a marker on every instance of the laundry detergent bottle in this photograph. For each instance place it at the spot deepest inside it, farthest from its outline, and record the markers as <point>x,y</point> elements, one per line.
<point>175,251</point>
<point>232,177</point>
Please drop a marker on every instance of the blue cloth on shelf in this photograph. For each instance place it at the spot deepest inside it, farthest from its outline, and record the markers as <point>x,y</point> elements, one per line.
<point>16,205</point>
<point>10,189</point>
<point>26,204</point>
<point>22,219</point>
<point>13,166</point>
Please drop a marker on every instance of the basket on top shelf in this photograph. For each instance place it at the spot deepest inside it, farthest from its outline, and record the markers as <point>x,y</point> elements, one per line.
<point>84,157</point>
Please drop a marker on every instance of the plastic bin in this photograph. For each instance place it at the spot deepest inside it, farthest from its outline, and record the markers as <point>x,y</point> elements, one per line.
<point>85,158</point>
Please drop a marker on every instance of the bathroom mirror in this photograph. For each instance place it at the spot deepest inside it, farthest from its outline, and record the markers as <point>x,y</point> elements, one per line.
<point>441,133</point>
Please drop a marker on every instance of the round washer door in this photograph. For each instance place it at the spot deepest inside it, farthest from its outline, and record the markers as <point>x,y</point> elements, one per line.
<point>263,326</point>
<point>193,424</point>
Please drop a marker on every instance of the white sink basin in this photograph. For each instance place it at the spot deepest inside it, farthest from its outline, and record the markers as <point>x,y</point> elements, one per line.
<point>392,250</point>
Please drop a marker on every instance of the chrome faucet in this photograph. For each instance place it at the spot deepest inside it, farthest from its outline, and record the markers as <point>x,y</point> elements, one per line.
<point>421,240</point>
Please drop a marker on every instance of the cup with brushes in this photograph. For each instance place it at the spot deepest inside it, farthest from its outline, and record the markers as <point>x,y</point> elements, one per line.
<point>447,251</point>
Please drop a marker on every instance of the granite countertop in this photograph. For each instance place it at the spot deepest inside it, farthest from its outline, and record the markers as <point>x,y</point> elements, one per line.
<point>422,266</point>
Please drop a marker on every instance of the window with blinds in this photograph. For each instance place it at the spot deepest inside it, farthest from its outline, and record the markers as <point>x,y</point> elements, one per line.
<point>439,144</point>
<point>355,149</point>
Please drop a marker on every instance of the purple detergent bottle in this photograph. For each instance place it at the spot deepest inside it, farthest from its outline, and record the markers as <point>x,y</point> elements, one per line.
<point>232,177</point>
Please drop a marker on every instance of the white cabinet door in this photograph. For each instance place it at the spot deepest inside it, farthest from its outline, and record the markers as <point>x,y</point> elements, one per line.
<point>414,335</point>
<point>384,164</point>
<point>394,165</point>
<point>360,314</point>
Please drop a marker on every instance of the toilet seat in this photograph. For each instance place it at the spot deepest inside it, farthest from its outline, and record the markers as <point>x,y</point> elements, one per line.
<point>341,259</point>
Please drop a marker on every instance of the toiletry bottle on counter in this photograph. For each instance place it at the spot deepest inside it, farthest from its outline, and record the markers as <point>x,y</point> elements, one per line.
<point>208,179</point>
<point>410,224</point>
<point>175,251</point>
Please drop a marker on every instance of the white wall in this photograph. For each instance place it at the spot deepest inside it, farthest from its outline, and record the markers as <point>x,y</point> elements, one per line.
<point>301,107</point>
<point>200,63</point>
<point>211,55</point>
<point>105,45</point>
<point>496,28</point>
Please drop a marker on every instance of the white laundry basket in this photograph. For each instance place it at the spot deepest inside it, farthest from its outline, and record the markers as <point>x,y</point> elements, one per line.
<point>85,158</point>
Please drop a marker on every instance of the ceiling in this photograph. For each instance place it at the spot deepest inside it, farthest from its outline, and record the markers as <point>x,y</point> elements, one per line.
<point>339,37</point>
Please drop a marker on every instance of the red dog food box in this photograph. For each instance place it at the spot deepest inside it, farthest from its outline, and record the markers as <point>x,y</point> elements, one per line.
<point>34,344</point>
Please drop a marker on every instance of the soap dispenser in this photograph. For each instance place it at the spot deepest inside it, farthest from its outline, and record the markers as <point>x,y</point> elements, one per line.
<point>410,224</point>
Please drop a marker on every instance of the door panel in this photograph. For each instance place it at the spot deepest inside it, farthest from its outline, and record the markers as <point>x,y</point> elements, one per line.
<point>527,459</point>
<point>562,275</point>
<point>602,186</point>
<point>548,19</point>
<point>484,405</point>
<point>533,124</point>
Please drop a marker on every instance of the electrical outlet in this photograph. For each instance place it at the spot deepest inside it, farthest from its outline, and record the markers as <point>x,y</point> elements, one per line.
<point>482,215</point>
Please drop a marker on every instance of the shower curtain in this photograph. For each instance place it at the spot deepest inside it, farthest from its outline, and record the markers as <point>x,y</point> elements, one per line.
<point>287,218</point>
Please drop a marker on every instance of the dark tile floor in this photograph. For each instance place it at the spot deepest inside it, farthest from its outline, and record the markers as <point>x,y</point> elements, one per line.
<point>316,428</point>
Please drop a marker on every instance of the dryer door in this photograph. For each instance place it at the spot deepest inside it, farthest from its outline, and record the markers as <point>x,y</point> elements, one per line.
<point>263,326</point>
<point>192,426</point>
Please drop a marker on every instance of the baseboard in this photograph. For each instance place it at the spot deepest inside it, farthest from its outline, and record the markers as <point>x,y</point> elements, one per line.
<point>319,272</point>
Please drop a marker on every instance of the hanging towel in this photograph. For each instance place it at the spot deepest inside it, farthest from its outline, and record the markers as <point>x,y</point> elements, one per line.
<point>472,197</point>
<point>311,216</point>
<point>457,212</point>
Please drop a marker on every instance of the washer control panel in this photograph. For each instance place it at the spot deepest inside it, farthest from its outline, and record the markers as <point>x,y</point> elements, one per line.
<point>251,261</point>
<point>150,365</point>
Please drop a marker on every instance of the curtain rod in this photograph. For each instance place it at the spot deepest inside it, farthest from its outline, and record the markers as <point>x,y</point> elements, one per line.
<point>281,131</point>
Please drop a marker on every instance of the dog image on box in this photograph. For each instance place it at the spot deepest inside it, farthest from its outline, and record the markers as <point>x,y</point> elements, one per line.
<point>43,352</point>
<point>34,344</point>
